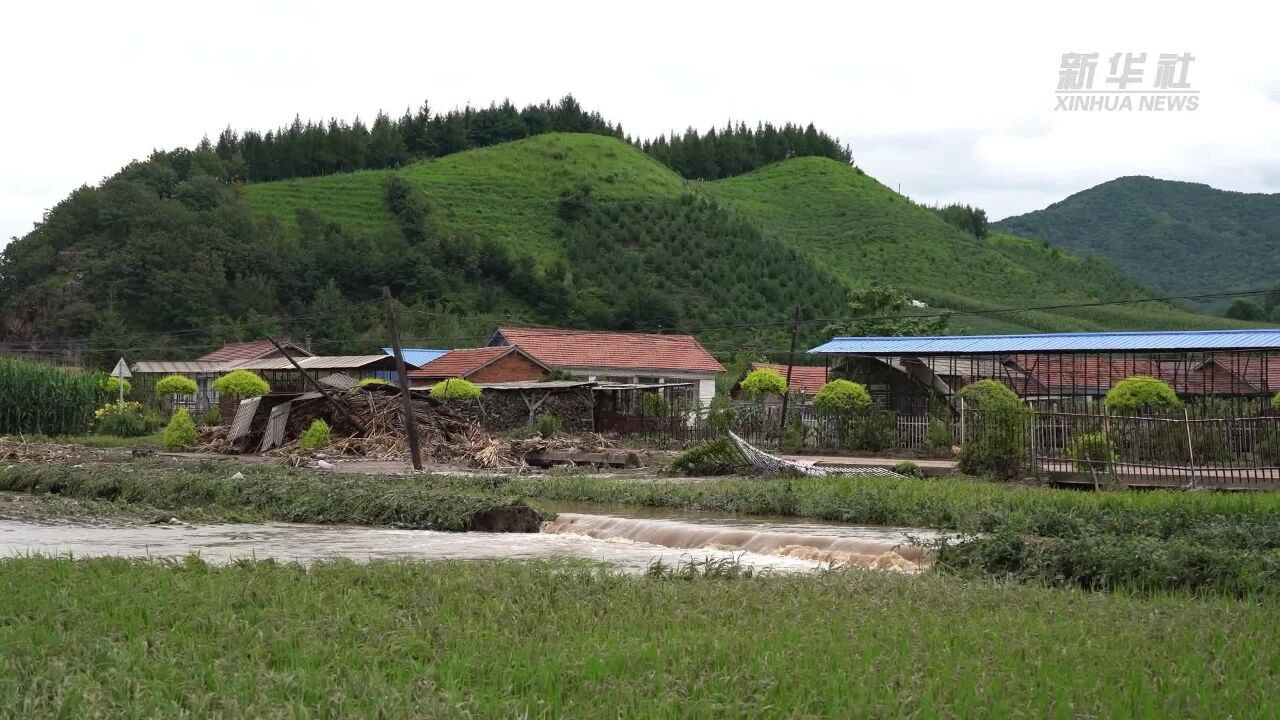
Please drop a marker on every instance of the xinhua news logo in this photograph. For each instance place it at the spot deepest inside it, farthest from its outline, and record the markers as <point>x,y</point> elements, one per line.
<point>1125,87</point>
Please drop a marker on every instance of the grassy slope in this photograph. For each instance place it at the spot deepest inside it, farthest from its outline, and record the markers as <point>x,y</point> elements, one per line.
<point>1178,237</point>
<point>865,231</point>
<point>848,222</point>
<point>506,192</point>
<point>113,638</point>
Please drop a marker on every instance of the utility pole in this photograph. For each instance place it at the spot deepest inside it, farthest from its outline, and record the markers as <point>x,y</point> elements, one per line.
<point>410,422</point>
<point>791,361</point>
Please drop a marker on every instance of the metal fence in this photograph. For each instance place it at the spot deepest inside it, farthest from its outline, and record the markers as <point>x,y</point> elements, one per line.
<point>1195,445</point>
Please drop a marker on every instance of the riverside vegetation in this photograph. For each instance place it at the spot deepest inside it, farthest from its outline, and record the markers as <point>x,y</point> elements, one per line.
<point>207,491</point>
<point>114,637</point>
<point>1149,542</point>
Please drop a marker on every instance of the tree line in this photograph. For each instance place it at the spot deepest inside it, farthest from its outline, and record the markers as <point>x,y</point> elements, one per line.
<point>305,149</point>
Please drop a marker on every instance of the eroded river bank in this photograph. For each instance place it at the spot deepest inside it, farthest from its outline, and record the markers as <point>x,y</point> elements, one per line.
<point>628,538</point>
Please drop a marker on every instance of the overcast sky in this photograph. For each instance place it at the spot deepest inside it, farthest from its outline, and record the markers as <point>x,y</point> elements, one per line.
<point>951,103</point>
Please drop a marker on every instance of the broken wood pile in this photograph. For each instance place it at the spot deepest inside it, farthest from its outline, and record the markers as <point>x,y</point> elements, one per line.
<point>447,435</point>
<point>19,450</point>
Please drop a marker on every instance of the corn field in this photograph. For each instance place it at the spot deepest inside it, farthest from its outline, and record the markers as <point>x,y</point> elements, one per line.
<point>43,399</point>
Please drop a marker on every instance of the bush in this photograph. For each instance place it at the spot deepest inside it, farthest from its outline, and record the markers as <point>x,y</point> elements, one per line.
<point>456,390</point>
<point>720,415</point>
<point>176,385</point>
<point>121,419</point>
<point>211,417</point>
<point>316,436</point>
<point>997,442</point>
<point>653,404</point>
<point>763,381</point>
<point>794,435</point>
<point>873,431</point>
<point>1275,401</point>
<point>718,457</point>
<point>241,383</point>
<point>938,439</point>
<point>908,468</point>
<point>1092,449</point>
<point>37,398</point>
<point>842,398</point>
<point>366,382</point>
<point>1140,392</point>
<point>109,388</point>
<point>180,433</point>
<point>546,424</point>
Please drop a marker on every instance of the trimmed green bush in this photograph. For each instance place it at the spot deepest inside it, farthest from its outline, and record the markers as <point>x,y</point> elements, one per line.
<point>997,442</point>
<point>109,388</point>
<point>180,433</point>
<point>764,381</point>
<point>241,383</point>
<point>1140,392</point>
<point>366,382</point>
<point>176,385</point>
<point>842,398</point>
<point>316,436</point>
<point>456,390</point>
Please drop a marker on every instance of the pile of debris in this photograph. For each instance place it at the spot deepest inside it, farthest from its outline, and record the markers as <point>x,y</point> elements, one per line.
<point>368,423</point>
<point>19,450</point>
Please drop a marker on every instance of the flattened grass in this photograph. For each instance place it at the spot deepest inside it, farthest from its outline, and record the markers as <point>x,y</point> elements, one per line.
<point>117,638</point>
<point>209,491</point>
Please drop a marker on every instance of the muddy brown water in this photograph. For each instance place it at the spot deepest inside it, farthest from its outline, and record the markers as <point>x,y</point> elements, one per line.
<point>625,537</point>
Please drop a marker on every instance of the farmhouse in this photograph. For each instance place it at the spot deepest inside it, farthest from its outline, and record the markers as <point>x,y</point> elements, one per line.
<point>502,364</point>
<point>633,358</point>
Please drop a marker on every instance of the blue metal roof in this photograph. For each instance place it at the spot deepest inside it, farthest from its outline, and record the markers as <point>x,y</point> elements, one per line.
<point>417,357</point>
<point>1166,341</point>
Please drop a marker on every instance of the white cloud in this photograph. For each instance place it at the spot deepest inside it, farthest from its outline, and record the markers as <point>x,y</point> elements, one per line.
<point>953,101</point>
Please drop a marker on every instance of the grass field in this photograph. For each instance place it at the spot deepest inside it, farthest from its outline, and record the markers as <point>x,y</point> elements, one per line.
<point>116,638</point>
<point>835,216</point>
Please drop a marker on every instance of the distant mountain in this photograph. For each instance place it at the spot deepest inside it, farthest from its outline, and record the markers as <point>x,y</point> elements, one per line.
<point>1177,238</point>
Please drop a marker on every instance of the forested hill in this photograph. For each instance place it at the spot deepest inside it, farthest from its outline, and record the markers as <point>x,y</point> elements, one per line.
<point>170,257</point>
<point>1178,238</point>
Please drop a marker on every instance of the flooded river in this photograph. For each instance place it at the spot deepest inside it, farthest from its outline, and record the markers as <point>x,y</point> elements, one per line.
<point>626,538</point>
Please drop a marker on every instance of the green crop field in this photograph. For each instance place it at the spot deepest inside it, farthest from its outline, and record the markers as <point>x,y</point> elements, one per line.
<point>850,225</point>
<point>117,638</point>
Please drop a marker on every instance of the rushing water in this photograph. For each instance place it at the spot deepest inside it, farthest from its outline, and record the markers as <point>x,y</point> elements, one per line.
<point>627,538</point>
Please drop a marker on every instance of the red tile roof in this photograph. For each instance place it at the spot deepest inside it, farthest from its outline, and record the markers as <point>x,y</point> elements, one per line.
<point>629,351</point>
<point>251,350</point>
<point>808,379</point>
<point>464,361</point>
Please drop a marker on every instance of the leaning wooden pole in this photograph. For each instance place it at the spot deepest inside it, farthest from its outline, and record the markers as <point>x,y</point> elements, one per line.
<point>316,384</point>
<point>410,422</point>
<point>791,361</point>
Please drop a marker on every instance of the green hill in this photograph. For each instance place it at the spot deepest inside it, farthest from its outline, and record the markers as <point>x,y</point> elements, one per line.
<point>853,227</point>
<point>1177,238</point>
<point>576,229</point>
